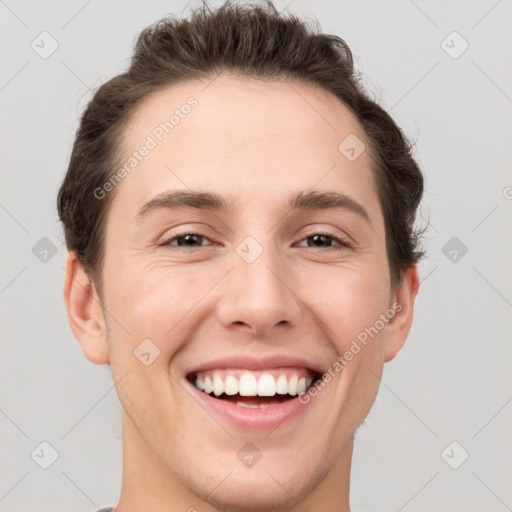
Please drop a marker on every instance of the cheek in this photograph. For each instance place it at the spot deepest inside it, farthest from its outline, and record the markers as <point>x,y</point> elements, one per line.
<point>352,304</point>
<point>359,341</point>
<point>154,305</point>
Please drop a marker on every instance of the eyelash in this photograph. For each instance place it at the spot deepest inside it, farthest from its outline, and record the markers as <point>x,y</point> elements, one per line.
<point>342,244</point>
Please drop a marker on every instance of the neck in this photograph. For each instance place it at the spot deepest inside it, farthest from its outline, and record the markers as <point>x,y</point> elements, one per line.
<point>148,484</point>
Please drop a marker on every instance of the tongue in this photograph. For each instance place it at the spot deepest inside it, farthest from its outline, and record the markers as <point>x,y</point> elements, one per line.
<point>255,400</point>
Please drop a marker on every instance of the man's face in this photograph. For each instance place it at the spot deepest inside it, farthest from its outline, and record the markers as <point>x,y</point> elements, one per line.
<point>260,288</point>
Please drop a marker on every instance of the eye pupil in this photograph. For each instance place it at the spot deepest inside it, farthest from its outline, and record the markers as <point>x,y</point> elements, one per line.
<point>189,239</point>
<point>317,237</point>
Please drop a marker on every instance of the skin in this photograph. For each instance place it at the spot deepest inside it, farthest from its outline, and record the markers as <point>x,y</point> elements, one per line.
<point>256,142</point>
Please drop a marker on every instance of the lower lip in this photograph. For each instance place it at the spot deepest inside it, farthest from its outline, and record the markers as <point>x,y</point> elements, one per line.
<point>247,418</point>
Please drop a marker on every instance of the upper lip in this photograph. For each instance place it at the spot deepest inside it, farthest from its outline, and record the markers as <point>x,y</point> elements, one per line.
<point>252,363</point>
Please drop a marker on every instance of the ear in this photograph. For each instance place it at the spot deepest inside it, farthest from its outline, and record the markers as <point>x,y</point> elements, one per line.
<point>399,326</point>
<point>84,311</point>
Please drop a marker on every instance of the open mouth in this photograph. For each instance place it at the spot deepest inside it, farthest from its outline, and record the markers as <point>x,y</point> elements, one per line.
<point>254,389</point>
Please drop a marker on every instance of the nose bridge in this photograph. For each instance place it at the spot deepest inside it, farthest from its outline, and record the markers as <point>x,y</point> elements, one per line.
<point>258,294</point>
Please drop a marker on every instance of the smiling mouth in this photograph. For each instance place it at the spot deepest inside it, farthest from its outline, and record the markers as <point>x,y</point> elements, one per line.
<point>254,389</point>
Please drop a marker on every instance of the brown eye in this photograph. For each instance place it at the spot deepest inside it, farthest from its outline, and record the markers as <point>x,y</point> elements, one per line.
<point>186,240</point>
<point>324,240</point>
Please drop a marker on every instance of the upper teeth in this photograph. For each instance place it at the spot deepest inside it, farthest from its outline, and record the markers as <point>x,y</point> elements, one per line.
<point>249,385</point>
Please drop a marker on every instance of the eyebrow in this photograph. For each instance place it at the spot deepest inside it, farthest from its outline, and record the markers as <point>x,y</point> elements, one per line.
<point>312,200</point>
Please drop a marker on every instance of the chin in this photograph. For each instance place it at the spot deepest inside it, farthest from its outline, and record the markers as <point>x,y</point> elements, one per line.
<point>275,483</point>
<point>262,493</point>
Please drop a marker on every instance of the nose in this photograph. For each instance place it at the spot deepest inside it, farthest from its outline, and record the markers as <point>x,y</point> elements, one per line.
<point>260,296</point>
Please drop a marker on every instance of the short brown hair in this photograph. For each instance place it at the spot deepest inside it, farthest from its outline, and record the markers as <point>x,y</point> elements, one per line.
<point>254,41</point>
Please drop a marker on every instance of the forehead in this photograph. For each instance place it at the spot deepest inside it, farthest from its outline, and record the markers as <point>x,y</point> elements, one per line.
<point>239,136</point>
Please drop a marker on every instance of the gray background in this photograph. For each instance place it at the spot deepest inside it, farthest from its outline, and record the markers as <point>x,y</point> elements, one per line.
<point>450,383</point>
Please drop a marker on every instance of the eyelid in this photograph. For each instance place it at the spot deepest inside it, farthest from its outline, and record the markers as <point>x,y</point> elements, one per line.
<point>189,229</point>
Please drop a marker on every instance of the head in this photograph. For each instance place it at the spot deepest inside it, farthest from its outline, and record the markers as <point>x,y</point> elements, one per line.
<point>236,203</point>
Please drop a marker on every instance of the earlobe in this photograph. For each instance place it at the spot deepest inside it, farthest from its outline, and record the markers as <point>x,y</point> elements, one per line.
<point>399,327</point>
<point>84,312</point>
